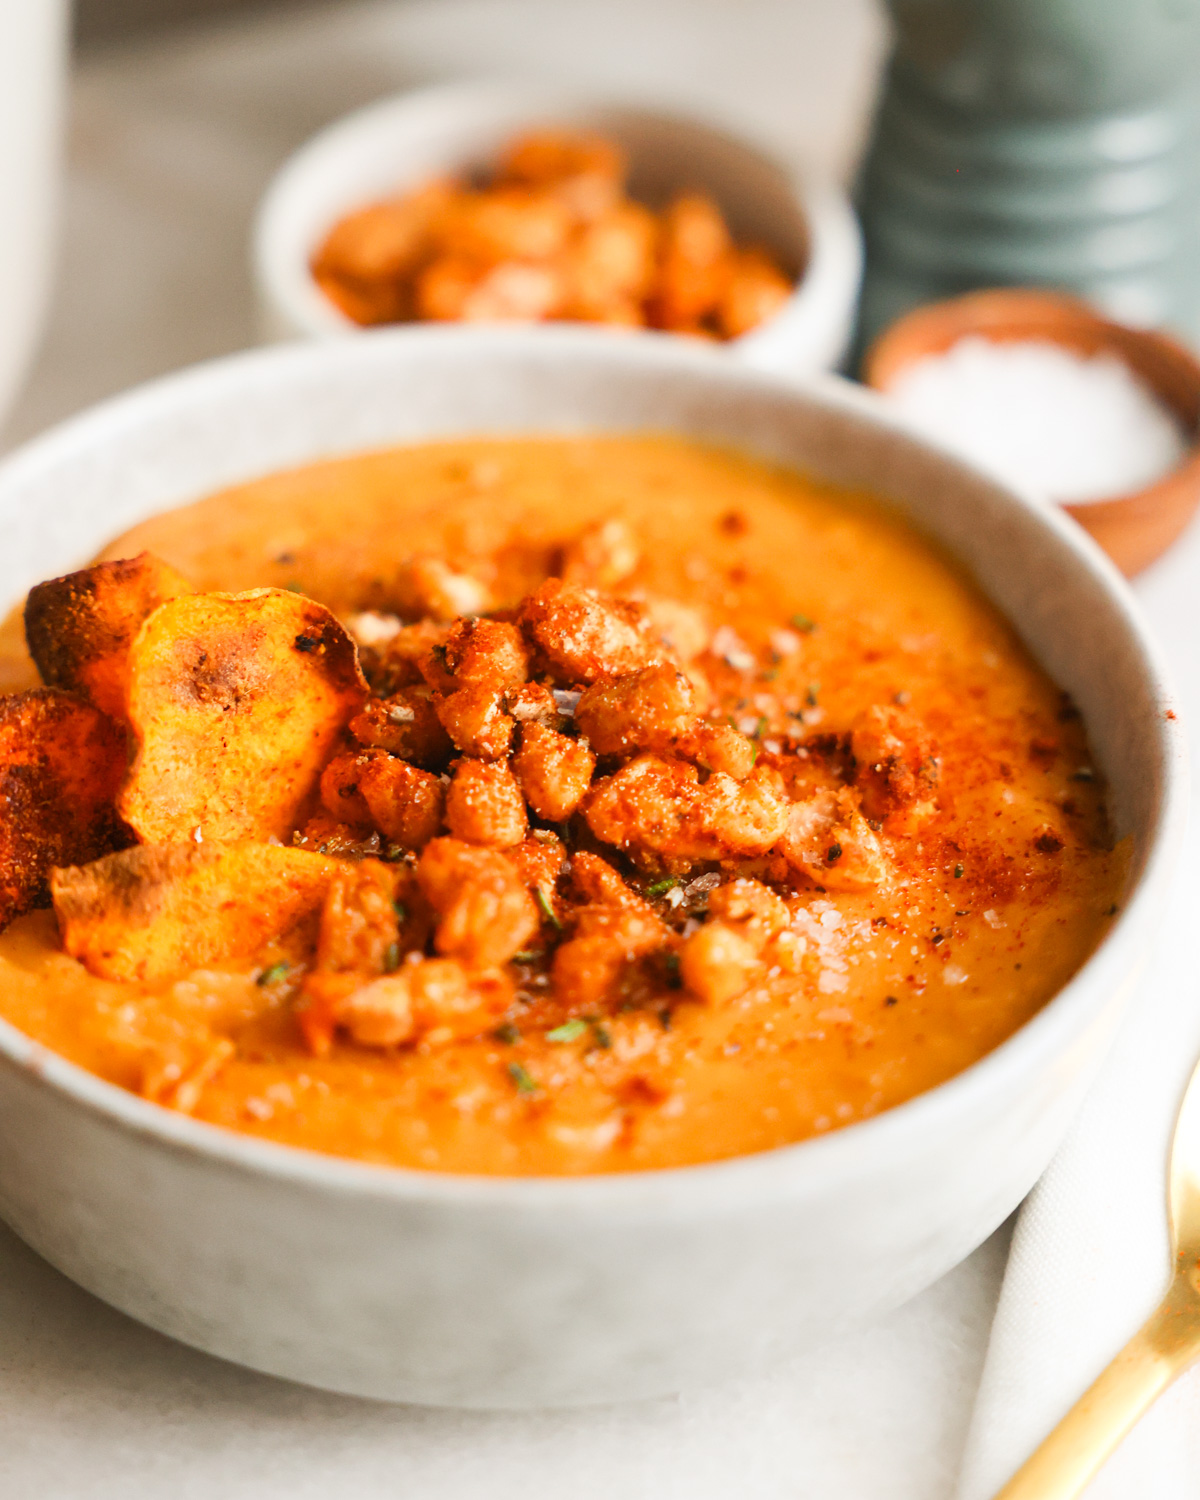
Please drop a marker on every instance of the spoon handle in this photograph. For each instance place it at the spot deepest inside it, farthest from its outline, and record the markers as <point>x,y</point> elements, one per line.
<point>1072,1453</point>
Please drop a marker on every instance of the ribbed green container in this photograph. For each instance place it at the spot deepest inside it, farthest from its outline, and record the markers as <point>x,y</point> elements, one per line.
<point>1038,143</point>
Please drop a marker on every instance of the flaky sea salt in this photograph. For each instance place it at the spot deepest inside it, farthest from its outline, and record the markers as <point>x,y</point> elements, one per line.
<point>1049,422</point>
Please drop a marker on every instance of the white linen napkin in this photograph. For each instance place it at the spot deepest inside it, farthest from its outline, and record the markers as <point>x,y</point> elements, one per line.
<point>1090,1254</point>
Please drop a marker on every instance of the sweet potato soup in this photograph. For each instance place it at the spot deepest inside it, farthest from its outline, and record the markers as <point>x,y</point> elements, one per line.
<point>552,805</point>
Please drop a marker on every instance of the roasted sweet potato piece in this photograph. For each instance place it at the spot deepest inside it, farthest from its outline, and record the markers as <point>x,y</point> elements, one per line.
<point>236,701</point>
<point>61,764</point>
<point>79,628</point>
<point>157,910</point>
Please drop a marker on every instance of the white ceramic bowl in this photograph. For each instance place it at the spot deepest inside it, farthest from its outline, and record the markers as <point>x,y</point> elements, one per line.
<point>402,141</point>
<point>516,1292</point>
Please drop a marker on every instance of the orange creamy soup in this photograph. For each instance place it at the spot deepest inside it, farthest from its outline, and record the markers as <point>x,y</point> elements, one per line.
<point>633,803</point>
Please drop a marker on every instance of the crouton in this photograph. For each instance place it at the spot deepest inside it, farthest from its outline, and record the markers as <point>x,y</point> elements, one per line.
<point>485,913</point>
<point>584,635</point>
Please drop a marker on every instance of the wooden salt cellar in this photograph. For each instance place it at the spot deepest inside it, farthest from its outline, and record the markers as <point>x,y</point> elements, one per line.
<point>1133,529</point>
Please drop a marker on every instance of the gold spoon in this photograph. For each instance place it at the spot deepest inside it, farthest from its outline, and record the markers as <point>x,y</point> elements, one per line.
<point>1162,1348</point>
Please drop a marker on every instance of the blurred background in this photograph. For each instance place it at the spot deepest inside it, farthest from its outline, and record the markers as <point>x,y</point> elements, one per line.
<point>181,110</point>
<point>99,21</point>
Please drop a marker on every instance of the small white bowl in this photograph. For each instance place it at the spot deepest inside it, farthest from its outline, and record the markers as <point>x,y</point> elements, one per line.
<point>400,142</point>
<point>511,1292</point>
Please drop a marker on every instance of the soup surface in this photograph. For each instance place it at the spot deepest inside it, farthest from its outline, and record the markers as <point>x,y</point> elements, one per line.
<point>789,826</point>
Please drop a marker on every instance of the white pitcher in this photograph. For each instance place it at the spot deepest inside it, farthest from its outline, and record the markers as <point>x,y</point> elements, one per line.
<point>33,52</point>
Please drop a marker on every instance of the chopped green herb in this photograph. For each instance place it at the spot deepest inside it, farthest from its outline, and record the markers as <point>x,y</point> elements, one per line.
<point>525,1084</point>
<point>507,1032</point>
<point>769,675</point>
<point>547,910</point>
<point>958,872</point>
<point>401,911</point>
<point>811,693</point>
<point>833,853</point>
<point>671,964</point>
<point>602,1035</point>
<point>760,728</point>
<point>391,958</point>
<point>890,1000</point>
<point>293,587</point>
<point>569,1031</point>
<point>661,887</point>
<point>527,956</point>
<point>274,974</point>
<point>803,623</point>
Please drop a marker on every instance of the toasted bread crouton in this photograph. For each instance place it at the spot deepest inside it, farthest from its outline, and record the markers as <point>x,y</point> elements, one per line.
<point>157,910</point>
<point>586,636</point>
<point>79,628</point>
<point>485,914</point>
<point>236,702</point>
<point>61,764</point>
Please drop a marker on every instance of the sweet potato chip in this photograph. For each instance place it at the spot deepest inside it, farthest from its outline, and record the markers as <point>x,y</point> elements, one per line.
<point>79,628</point>
<point>61,765</point>
<point>236,702</point>
<point>157,910</point>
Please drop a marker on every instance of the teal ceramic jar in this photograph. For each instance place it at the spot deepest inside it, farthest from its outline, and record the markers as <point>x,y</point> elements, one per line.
<point>1041,143</point>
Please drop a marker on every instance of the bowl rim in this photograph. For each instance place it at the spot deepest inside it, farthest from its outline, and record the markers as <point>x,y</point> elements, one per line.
<point>805,1166</point>
<point>830,275</point>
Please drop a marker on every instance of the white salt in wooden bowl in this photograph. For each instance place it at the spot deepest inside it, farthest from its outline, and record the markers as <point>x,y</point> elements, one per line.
<point>1133,528</point>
